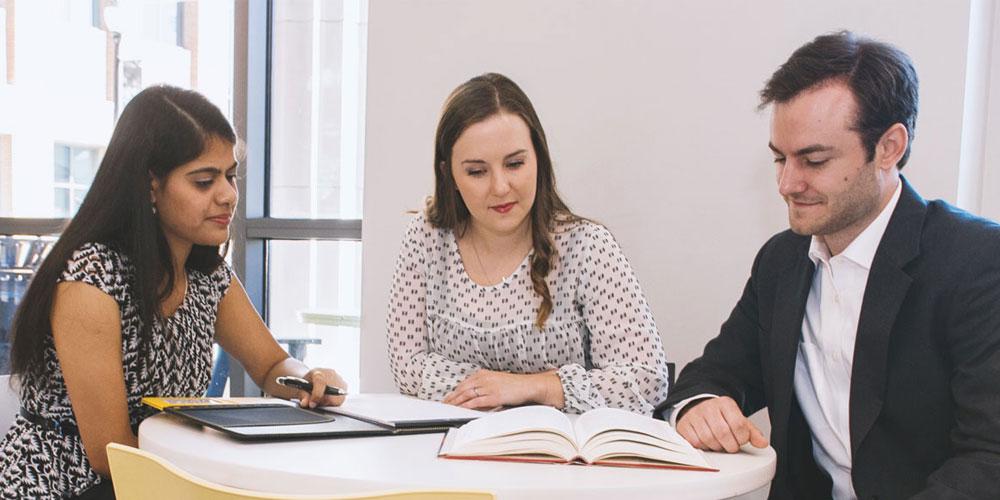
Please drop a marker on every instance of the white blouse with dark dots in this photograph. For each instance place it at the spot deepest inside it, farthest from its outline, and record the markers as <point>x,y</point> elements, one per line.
<point>600,336</point>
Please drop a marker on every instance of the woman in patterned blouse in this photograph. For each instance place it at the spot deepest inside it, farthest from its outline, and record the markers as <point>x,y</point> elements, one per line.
<point>502,296</point>
<point>130,299</point>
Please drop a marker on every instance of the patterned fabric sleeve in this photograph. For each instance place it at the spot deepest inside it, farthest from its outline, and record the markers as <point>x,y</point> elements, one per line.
<point>222,277</point>
<point>629,365</point>
<point>95,264</point>
<point>417,371</point>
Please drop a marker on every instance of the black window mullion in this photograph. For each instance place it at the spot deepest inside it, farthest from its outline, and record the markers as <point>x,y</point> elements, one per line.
<point>251,113</point>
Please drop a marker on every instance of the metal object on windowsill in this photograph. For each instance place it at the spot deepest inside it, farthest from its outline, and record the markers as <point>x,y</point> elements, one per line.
<point>329,317</point>
<point>297,345</point>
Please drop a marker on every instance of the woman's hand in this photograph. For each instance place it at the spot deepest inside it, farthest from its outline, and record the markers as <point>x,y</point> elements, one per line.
<point>321,378</point>
<point>488,389</point>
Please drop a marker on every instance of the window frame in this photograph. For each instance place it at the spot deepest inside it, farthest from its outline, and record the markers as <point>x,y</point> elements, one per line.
<point>253,227</point>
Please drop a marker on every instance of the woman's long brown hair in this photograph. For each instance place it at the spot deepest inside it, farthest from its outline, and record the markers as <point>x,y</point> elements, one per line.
<point>472,102</point>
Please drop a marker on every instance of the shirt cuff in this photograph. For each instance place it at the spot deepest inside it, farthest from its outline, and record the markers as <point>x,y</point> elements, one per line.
<point>676,410</point>
<point>575,385</point>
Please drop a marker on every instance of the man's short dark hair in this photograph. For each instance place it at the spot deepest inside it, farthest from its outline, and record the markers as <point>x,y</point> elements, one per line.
<point>880,76</point>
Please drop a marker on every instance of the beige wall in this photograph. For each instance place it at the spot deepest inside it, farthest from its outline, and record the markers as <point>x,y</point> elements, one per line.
<point>650,111</point>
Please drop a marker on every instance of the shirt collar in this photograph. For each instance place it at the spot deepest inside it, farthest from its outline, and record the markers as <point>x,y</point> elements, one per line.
<point>862,250</point>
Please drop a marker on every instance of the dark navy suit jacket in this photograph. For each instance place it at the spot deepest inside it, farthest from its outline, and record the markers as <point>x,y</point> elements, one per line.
<point>925,386</point>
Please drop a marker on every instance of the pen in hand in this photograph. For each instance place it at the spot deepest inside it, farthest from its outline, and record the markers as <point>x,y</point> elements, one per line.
<point>305,385</point>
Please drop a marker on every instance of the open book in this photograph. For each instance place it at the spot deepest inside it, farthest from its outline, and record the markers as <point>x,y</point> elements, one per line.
<point>605,436</point>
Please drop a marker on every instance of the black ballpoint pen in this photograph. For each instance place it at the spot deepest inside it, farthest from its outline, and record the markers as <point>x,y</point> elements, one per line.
<point>305,385</point>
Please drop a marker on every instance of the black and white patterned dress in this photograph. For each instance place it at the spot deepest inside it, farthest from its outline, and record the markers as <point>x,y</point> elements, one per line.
<point>42,463</point>
<point>600,337</point>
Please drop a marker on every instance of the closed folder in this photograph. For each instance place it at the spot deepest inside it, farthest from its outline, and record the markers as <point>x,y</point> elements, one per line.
<point>402,412</point>
<point>264,418</point>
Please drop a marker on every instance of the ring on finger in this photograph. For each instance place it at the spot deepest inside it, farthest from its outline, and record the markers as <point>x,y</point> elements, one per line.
<point>475,390</point>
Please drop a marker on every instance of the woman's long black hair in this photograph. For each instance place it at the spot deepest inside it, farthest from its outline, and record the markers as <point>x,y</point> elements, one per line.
<point>160,129</point>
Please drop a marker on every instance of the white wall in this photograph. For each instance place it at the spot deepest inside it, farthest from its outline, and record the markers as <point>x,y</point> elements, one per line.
<point>649,107</point>
<point>991,153</point>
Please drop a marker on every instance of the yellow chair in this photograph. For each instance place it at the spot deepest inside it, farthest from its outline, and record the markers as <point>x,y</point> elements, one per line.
<point>140,475</point>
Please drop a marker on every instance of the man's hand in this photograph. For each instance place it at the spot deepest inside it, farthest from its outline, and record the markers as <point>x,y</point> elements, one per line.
<point>717,424</point>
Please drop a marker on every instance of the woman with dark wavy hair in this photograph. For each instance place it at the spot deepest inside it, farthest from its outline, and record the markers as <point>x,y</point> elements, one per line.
<point>128,302</point>
<point>501,295</point>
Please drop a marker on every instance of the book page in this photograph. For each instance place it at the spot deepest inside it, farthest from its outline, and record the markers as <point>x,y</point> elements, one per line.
<point>629,450</point>
<point>524,430</point>
<point>611,436</point>
<point>609,432</point>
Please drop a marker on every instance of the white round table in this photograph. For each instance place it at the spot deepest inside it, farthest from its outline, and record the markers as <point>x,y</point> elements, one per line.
<point>358,465</point>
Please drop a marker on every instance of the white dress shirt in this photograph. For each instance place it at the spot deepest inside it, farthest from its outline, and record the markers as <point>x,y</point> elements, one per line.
<point>826,349</point>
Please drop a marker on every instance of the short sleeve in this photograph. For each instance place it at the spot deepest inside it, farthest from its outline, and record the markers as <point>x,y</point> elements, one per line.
<point>97,265</point>
<point>221,278</point>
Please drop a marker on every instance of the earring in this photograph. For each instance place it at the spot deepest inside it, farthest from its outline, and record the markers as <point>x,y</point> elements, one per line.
<point>154,209</point>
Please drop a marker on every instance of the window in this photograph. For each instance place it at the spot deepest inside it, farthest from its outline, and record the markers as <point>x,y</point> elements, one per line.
<point>314,302</point>
<point>74,12</point>
<point>74,170</point>
<point>315,101</point>
<point>300,256</point>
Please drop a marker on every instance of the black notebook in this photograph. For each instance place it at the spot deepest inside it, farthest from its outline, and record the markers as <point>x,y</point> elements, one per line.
<point>271,419</point>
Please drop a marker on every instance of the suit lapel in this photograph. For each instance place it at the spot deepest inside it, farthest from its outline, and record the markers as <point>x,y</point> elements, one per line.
<point>786,331</point>
<point>885,292</point>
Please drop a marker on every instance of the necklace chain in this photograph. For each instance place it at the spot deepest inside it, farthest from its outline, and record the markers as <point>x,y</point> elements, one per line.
<point>475,249</point>
<point>482,267</point>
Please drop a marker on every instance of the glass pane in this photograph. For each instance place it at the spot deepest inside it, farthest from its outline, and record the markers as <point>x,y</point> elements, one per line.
<point>83,164</point>
<point>316,109</point>
<point>314,302</point>
<point>60,198</point>
<point>69,68</point>
<point>62,163</point>
<point>78,195</point>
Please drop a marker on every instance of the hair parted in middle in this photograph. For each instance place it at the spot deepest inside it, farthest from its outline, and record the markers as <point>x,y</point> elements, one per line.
<point>160,129</point>
<point>476,100</point>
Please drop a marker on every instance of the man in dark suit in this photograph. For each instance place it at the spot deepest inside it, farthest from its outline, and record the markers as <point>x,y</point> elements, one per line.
<point>871,329</point>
